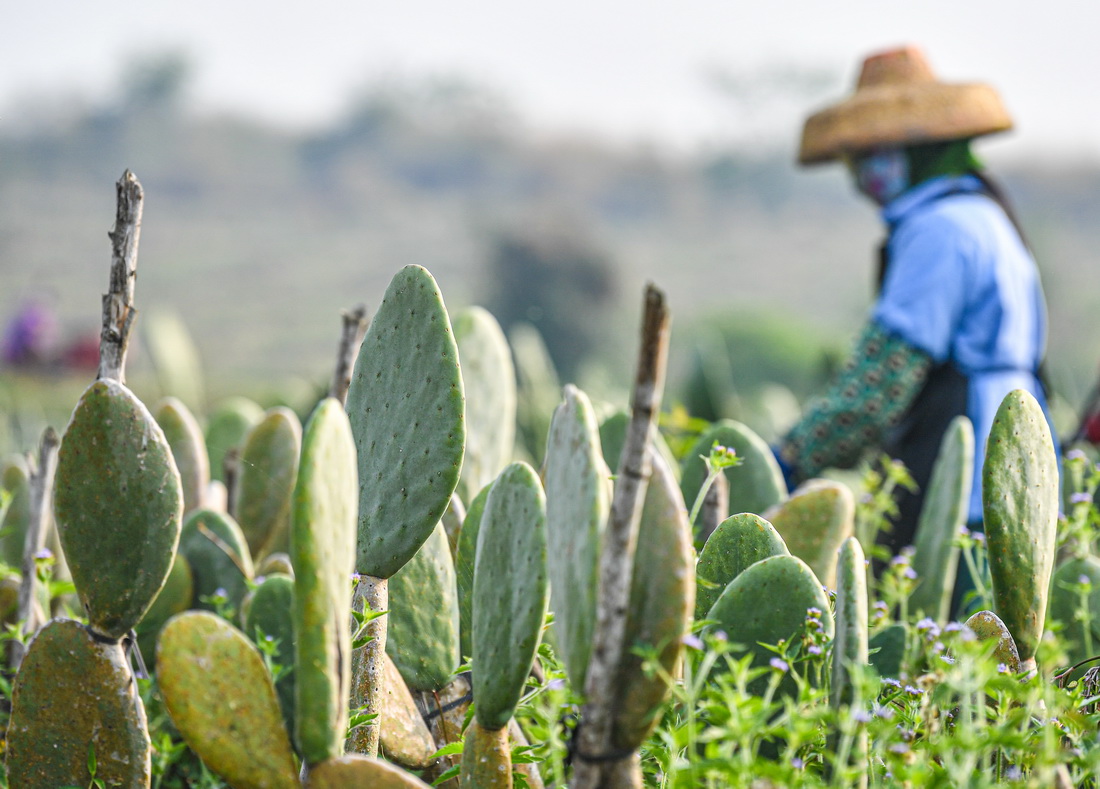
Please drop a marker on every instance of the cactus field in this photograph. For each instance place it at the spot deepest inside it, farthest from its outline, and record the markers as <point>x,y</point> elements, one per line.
<point>451,570</point>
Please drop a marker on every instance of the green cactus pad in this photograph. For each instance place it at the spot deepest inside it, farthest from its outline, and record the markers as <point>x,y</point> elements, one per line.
<point>174,598</point>
<point>323,553</point>
<point>754,486</point>
<point>578,501</point>
<point>275,564</point>
<point>662,592</point>
<point>184,436</point>
<point>813,523</point>
<point>489,379</point>
<point>74,695</point>
<point>1066,604</point>
<point>943,513</point>
<point>226,429</point>
<point>117,503</point>
<point>270,618</point>
<point>739,541</point>
<point>850,642</point>
<point>407,414</point>
<point>221,698</point>
<point>269,468</point>
<point>218,555</point>
<point>987,626</point>
<point>511,593</point>
<point>766,604</point>
<point>613,437</point>
<point>538,387</point>
<point>355,770</point>
<point>1020,505</point>
<point>13,526</point>
<point>465,557</point>
<point>404,738</point>
<point>486,758</point>
<point>886,650</point>
<point>423,618</point>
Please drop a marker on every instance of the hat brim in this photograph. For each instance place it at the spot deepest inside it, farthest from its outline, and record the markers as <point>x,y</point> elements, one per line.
<point>902,115</point>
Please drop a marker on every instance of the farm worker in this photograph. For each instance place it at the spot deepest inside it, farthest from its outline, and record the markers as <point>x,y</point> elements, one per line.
<point>959,318</point>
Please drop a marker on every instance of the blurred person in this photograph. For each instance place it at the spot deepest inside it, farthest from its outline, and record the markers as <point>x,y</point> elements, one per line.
<point>959,318</point>
<point>31,337</point>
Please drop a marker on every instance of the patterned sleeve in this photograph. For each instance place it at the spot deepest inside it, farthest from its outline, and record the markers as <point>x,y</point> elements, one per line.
<point>873,391</point>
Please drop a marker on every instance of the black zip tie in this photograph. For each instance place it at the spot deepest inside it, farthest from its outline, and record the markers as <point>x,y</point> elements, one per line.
<point>99,637</point>
<point>451,705</point>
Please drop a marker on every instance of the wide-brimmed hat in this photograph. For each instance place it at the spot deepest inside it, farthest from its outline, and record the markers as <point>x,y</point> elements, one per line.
<point>898,101</point>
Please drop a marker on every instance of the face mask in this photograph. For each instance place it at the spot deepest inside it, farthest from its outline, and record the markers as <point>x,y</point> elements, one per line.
<point>882,175</point>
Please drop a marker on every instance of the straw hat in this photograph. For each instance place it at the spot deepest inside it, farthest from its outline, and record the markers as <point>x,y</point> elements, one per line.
<point>898,101</point>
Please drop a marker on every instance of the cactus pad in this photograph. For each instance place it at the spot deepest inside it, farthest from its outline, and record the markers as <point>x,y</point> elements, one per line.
<point>850,642</point>
<point>74,695</point>
<point>404,737</point>
<point>356,770</point>
<point>270,618</point>
<point>226,429</point>
<point>407,409</point>
<point>486,758</point>
<point>465,557</point>
<point>987,626</point>
<point>217,553</point>
<point>511,594</point>
<point>813,523</point>
<point>221,698</point>
<point>184,436</point>
<point>323,551</point>
<point>268,470</point>
<point>118,503</point>
<point>1020,504</point>
<point>739,541</point>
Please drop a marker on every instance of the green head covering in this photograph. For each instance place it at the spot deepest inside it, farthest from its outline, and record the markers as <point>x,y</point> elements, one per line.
<point>930,160</point>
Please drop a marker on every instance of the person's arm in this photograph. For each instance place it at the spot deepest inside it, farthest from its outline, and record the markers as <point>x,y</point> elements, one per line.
<point>873,391</point>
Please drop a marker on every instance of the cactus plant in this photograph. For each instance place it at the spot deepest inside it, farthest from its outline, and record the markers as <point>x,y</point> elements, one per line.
<point>184,436</point>
<point>404,738</point>
<point>1075,603</point>
<point>577,506</point>
<point>489,378</point>
<point>323,550</point>
<point>175,597</point>
<point>538,387</point>
<point>754,486</point>
<point>265,483</point>
<point>269,617</point>
<point>813,522</point>
<point>613,436</point>
<point>987,626</point>
<point>74,696</point>
<point>423,619</point>
<point>14,520</point>
<point>850,644</point>
<point>1020,505</point>
<point>465,557</point>
<point>767,604</point>
<point>739,541</point>
<point>943,513</point>
<point>218,556</point>
<point>118,502</point>
<point>358,770</point>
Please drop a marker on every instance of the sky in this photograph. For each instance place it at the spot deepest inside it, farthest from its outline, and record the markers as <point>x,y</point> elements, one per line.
<point>626,70</point>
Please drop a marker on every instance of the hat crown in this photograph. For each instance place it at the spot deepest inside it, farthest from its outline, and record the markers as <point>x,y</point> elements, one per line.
<point>903,66</point>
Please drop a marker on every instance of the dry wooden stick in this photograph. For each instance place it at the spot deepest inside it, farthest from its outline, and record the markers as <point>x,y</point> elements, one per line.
<point>617,555</point>
<point>355,328</point>
<point>118,302</point>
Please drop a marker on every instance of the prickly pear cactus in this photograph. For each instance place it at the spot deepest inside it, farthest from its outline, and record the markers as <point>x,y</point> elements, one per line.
<point>407,411</point>
<point>323,550</point>
<point>1075,602</point>
<point>357,770</point>
<point>74,696</point>
<point>117,502</point>
<point>511,594</point>
<point>270,619</point>
<point>221,698</point>
<point>404,737</point>
<point>275,564</point>
<point>768,603</point>
<point>226,429</point>
<point>1020,504</point>
<point>943,513</point>
<point>987,626</point>
<point>539,387</point>
<point>662,591</point>
<point>739,541</point>
<point>218,555</point>
<point>886,650</point>
<point>578,502</point>
<point>813,523</point>
<point>850,642</point>
<point>184,436</point>
<point>754,486</point>
<point>268,471</point>
<point>423,626</point>
<point>490,382</point>
<point>465,557</point>
<point>13,524</point>
<point>613,437</point>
